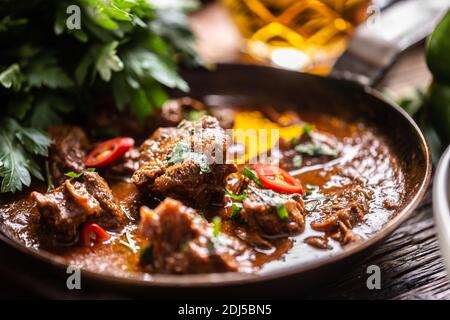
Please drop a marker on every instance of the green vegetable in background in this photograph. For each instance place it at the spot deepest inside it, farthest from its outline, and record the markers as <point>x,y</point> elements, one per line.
<point>438,60</point>
<point>49,74</point>
<point>439,108</point>
<point>438,51</point>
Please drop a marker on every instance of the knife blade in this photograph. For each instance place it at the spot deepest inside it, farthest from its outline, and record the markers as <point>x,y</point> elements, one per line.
<point>378,42</point>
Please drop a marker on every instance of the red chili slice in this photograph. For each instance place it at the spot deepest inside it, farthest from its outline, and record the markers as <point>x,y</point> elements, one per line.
<point>92,234</point>
<point>277,179</point>
<point>108,151</point>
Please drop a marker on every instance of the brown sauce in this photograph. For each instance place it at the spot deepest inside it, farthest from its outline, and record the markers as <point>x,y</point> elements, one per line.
<point>366,161</point>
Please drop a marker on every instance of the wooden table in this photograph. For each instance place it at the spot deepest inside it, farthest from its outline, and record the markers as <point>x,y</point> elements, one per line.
<point>410,261</point>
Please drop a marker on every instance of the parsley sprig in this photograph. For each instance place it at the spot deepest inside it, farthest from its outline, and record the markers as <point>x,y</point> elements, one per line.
<point>49,74</point>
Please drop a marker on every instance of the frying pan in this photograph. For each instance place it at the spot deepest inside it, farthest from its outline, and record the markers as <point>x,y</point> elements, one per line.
<point>251,84</point>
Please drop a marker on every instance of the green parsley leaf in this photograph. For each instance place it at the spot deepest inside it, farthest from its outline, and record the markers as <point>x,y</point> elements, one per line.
<point>308,128</point>
<point>236,210</point>
<point>129,242</point>
<point>182,152</point>
<point>11,77</point>
<point>17,165</point>
<point>234,196</point>
<point>315,149</point>
<point>193,115</point>
<point>46,73</point>
<point>217,225</point>
<point>282,211</point>
<point>73,175</point>
<point>297,161</point>
<point>249,174</point>
<point>144,64</point>
<point>108,61</point>
<point>48,177</point>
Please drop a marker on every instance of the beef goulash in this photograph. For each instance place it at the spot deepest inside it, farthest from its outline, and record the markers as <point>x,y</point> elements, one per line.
<point>167,198</point>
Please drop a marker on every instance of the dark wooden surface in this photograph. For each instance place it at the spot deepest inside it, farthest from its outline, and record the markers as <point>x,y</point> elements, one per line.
<point>410,262</point>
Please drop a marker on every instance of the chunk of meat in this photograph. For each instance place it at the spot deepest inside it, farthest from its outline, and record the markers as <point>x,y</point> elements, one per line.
<point>76,201</point>
<point>183,242</point>
<point>186,163</point>
<point>259,210</point>
<point>225,116</point>
<point>68,151</point>
<point>123,167</point>
<point>261,213</point>
<point>175,111</point>
<point>350,204</point>
<point>318,242</point>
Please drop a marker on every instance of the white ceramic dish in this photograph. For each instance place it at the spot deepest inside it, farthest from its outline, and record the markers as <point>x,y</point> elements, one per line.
<point>441,205</point>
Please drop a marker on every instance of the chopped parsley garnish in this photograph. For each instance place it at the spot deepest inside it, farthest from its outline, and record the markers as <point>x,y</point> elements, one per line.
<point>234,196</point>
<point>182,151</point>
<point>282,212</point>
<point>193,115</point>
<point>249,174</point>
<point>297,160</point>
<point>308,128</point>
<point>129,242</point>
<point>217,225</point>
<point>235,210</point>
<point>48,177</point>
<point>315,149</point>
<point>76,175</point>
<point>73,175</point>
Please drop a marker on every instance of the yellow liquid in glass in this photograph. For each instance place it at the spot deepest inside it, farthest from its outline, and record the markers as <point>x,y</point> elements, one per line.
<point>307,35</point>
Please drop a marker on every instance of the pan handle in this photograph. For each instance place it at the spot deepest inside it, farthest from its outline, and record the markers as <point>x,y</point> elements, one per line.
<point>387,33</point>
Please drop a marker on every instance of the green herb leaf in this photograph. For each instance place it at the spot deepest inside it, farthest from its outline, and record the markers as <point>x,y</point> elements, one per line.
<point>48,111</point>
<point>129,242</point>
<point>73,175</point>
<point>11,77</point>
<point>145,64</point>
<point>297,161</point>
<point>108,61</point>
<point>17,165</point>
<point>315,149</point>
<point>46,73</point>
<point>217,225</point>
<point>48,177</point>
<point>249,174</point>
<point>34,141</point>
<point>236,210</point>
<point>193,115</point>
<point>182,152</point>
<point>234,196</point>
<point>282,211</point>
<point>308,128</point>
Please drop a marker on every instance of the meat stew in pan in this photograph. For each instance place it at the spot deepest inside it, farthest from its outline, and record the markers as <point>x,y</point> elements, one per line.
<point>155,199</point>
